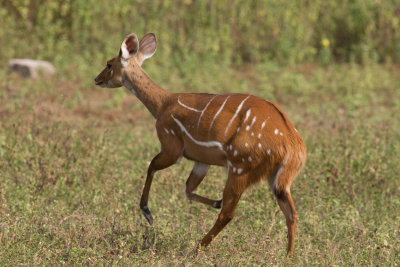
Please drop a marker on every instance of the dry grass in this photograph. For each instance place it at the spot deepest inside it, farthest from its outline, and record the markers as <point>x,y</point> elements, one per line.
<point>73,160</point>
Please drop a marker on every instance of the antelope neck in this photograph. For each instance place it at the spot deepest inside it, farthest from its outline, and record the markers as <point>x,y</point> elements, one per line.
<point>148,92</point>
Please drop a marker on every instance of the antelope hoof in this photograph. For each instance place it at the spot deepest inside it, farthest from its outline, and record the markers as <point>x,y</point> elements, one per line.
<point>217,204</point>
<point>147,214</point>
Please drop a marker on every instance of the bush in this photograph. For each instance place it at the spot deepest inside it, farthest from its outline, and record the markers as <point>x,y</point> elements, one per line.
<point>204,32</point>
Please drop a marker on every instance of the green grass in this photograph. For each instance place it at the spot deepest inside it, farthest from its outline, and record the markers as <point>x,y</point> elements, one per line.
<point>73,159</point>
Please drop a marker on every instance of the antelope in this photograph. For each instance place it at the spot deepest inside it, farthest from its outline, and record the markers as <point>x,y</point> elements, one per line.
<point>251,137</point>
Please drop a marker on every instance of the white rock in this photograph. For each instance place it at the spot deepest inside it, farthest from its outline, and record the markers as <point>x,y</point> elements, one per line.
<point>31,68</point>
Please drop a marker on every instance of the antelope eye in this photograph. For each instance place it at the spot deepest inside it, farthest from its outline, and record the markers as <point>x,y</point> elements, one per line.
<point>108,65</point>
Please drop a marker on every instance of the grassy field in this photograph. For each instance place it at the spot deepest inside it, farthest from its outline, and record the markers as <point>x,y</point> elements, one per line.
<point>73,159</point>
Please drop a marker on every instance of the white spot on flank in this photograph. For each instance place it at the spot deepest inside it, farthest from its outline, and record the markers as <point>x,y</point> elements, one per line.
<point>247,115</point>
<point>238,129</point>
<point>281,134</point>
<point>200,169</point>
<point>234,169</point>
<point>166,130</point>
<point>243,160</point>
<point>236,113</point>
<point>276,131</point>
<point>172,131</point>
<point>264,122</point>
<point>252,133</point>
<point>253,121</point>
<point>219,111</point>
<point>239,170</point>
<point>259,136</point>
<point>269,151</point>
<point>259,145</point>
<point>185,106</point>
<point>250,159</point>
<point>200,143</point>
<point>246,144</point>
<point>235,153</point>
<point>247,127</point>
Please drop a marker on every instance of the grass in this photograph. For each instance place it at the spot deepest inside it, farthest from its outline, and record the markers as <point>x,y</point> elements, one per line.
<point>73,159</point>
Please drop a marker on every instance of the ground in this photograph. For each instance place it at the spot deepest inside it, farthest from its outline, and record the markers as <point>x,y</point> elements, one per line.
<point>73,159</point>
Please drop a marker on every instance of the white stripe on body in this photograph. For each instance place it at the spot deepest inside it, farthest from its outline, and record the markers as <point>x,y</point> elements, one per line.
<point>202,112</point>
<point>185,106</point>
<point>200,143</point>
<point>236,113</point>
<point>216,114</point>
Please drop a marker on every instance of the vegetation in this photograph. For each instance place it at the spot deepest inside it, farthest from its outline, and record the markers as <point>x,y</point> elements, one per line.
<point>73,156</point>
<point>194,31</point>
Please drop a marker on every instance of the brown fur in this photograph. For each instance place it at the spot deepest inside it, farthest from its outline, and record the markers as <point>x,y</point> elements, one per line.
<point>250,136</point>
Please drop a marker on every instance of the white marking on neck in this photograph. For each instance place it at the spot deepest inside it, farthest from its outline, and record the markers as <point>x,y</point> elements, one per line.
<point>202,112</point>
<point>200,168</point>
<point>200,143</point>
<point>218,112</point>
<point>130,88</point>
<point>187,107</point>
<point>124,62</point>
<point>236,113</point>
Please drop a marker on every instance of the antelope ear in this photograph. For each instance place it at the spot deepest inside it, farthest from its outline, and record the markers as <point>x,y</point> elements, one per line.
<point>129,46</point>
<point>147,47</point>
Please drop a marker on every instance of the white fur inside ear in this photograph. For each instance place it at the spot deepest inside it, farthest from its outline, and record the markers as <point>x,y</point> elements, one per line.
<point>124,50</point>
<point>147,55</point>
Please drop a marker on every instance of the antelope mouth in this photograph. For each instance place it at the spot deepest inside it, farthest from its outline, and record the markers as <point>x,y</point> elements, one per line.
<point>99,83</point>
